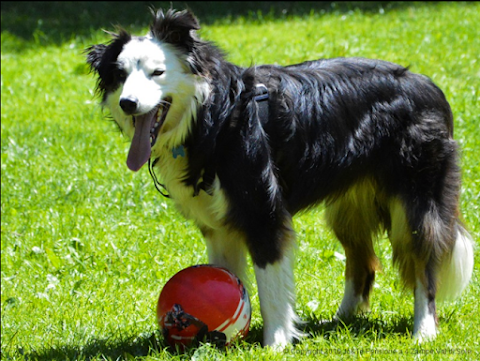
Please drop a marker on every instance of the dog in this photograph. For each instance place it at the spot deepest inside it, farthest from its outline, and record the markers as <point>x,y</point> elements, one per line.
<point>241,150</point>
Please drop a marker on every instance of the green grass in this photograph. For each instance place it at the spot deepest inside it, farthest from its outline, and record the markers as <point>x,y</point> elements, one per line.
<point>86,245</point>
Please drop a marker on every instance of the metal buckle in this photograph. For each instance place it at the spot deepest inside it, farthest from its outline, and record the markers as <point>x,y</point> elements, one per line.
<point>261,93</point>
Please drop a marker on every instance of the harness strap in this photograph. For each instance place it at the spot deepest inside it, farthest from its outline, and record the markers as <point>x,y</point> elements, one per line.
<point>261,97</point>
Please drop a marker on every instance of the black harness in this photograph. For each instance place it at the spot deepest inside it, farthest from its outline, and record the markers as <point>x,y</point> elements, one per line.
<point>261,98</point>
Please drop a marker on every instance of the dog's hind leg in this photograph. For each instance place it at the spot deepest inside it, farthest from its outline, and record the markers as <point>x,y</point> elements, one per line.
<point>415,271</point>
<point>359,278</point>
<point>354,220</point>
<point>429,258</point>
<point>445,281</point>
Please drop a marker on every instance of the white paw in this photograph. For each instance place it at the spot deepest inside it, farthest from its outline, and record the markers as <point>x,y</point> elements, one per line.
<point>277,340</point>
<point>427,332</point>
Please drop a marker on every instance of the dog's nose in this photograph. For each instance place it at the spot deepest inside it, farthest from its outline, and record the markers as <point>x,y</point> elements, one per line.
<point>129,105</point>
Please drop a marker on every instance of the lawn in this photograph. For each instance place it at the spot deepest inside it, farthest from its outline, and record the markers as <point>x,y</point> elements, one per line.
<point>86,245</point>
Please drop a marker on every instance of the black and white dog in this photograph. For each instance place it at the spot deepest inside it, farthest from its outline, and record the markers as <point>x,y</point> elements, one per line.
<point>242,150</point>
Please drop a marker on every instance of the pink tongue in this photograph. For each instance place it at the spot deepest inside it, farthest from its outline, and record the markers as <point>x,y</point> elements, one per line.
<point>140,148</point>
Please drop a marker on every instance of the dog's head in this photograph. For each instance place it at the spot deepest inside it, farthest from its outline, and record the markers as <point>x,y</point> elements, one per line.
<point>150,83</point>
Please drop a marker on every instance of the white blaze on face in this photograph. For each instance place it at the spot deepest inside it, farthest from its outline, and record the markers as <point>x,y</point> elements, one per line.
<point>147,70</point>
<point>156,73</point>
<point>142,59</point>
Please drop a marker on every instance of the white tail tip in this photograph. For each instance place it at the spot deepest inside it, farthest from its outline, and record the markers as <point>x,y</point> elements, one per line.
<point>455,272</point>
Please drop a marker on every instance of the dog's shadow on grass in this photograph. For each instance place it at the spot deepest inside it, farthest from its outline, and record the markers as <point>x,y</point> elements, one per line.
<point>117,349</point>
<point>149,343</point>
<point>145,344</point>
<point>357,326</point>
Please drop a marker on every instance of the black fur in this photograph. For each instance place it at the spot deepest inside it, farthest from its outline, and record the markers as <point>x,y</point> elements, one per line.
<point>332,124</point>
<point>103,58</point>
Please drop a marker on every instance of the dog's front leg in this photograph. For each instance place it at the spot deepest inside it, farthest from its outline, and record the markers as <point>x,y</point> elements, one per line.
<point>258,210</point>
<point>276,290</point>
<point>226,248</point>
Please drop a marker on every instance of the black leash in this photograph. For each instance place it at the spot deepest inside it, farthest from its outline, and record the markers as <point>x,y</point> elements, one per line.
<point>156,182</point>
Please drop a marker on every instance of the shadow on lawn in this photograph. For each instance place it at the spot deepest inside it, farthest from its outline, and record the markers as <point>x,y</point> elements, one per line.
<point>44,23</point>
<point>126,348</point>
<point>153,343</point>
<point>357,326</point>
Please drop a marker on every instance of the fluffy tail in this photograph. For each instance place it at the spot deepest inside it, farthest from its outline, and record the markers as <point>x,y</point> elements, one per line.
<point>456,270</point>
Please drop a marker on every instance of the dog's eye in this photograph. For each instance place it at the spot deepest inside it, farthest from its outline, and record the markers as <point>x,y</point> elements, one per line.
<point>122,75</point>
<point>158,72</point>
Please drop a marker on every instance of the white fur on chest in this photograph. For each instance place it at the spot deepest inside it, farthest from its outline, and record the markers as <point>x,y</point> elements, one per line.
<point>206,210</point>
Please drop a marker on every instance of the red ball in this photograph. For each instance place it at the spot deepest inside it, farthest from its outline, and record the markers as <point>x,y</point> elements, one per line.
<point>203,303</point>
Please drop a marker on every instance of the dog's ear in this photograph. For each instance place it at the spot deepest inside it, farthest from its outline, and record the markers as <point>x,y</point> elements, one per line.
<point>94,55</point>
<point>98,54</point>
<point>175,27</point>
<point>102,59</point>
